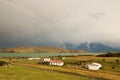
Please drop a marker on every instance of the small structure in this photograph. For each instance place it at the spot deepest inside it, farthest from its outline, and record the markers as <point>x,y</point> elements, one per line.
<point>34,58</point>
<point>46,60</point>
<point>30,58</point>
<point>63,58</point>
<point>93,66</point>
<point>56,62</point>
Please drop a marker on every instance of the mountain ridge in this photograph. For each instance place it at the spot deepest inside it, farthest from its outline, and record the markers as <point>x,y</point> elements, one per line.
<point>92,47</point>
<point>38,49</point>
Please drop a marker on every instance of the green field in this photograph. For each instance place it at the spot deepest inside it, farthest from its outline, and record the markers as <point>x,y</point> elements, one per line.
<point>71,66</point>
<point>23,73</point>
<point>107,63</point>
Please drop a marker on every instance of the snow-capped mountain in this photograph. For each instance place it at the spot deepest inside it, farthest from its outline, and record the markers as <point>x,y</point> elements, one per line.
<point>92,47</point>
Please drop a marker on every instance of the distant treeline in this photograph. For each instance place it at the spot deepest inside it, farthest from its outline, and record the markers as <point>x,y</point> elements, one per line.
<point>110,54</point>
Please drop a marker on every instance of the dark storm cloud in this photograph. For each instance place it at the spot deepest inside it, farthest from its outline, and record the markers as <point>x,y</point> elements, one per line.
<point>53,22</point>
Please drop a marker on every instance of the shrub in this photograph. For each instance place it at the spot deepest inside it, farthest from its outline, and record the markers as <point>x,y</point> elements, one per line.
<point>2,63</point>
<point>113,67</point>
<point>117,60</point>
<point>103,60</point>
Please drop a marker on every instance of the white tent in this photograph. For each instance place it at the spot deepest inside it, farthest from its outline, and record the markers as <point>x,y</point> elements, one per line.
<point>94,66</point>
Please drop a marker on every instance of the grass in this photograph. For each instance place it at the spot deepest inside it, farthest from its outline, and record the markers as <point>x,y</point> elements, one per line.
<point>107,64</point>
<point>24,73</point>
<point>78,71</point>
<point>114,74</point>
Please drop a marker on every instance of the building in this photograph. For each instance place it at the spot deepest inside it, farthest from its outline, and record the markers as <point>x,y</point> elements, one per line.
<point>93,66</point>
<point>46,60</point>
<point>63,58</point>
<point>56,62</point>
<point>34,58</point>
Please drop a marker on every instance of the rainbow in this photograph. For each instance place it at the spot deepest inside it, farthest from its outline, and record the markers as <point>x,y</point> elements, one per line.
<point>35,17</point>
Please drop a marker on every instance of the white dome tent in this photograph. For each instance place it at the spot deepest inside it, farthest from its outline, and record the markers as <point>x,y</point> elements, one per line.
<point>93,66</point>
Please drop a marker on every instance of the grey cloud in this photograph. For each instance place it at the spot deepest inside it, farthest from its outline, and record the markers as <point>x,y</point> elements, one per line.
<point>97,15</point>
<point>53,22</point>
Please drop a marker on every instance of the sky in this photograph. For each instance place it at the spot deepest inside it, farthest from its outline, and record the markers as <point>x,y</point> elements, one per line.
<point>55,22</point>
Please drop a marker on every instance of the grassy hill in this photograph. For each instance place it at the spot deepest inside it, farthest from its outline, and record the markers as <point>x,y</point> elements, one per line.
<point>43,49</point>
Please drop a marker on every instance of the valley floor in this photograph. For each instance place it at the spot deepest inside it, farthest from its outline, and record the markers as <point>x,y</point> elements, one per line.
<point>25,73</point>
<point>71,70</point>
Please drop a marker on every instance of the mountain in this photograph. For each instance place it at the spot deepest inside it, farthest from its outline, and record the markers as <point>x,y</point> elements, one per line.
<point>92,47</point>
<point>40,49</point>
<point>71,48</point>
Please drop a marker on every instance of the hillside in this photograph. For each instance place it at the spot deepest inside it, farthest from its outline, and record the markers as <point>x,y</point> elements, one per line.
<point>44,49</point>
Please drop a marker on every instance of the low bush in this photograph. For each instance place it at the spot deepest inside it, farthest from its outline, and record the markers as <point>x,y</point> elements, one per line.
<point>2,63</point>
